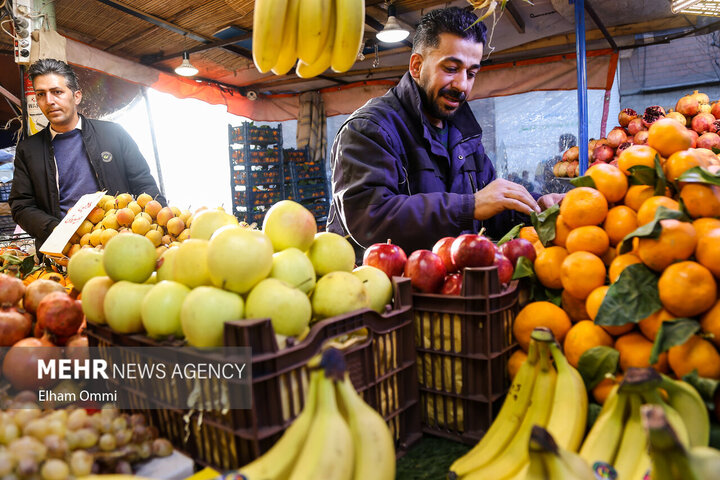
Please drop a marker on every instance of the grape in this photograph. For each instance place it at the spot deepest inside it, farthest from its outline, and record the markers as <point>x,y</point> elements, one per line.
<point>55,469</point>
<point>87,437</point>
<point>137,419</point>
<point>123,468</point>
<point>105,425</point>
<point>57,447</point>
<point>162,447</point>
<point>27,466</point>
<point>28,447</point>
<point>7,462</point>
<point>139,434</point>
<point>123,437</point>
<point>61,415</point>
<point>145,450</point>
<point>37,428</point>
<point>8,433</point>
<point>76,420</point>
<point>24,415</point>
<point>81,463</point>
<point>108,410</point>
<point>107,442</point>
<point>73,439</point>
<point>120,423</point>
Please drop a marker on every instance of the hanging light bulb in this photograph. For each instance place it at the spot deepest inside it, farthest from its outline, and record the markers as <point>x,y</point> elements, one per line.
<point>186,69</point>
<point>392,32</point>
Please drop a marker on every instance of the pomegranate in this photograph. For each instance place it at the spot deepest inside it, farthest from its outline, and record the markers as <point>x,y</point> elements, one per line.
<point>20,365</point>
<point>562,169</point>
<point>715,126</point>
<point>635,126</point>
<point>701,98</point>
<point>59,314</point>
<point>715,110</point>
<point>652,114</point>
<point>694,137</point>
<point>556,168</point>
<point>703,122</point>
<point>614,162</point>
<point>708,140</point>
<point>688,105</point>
<point>37,290</point>
<point>622,147</point>
<point>603,153</point>
<point>571,154</point>
<point>616,136</point>
<point>15,324</point>
<point>626,115</point>
<point>677,116</point>
<point>641,138</point>
<point>573,169</point>
<point>76,347</point>
<point>12,289</point>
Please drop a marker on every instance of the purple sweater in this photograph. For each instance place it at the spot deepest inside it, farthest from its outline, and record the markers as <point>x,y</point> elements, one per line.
<point>75,175</point>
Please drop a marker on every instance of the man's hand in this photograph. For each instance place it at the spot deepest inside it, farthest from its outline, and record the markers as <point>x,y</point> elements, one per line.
<point>547,201</point>
<point>501,195</point>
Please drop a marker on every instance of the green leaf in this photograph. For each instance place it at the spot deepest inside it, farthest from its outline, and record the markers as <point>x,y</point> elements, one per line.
<point>661,183</point>
<point>716,150</point>
<point>699,175</point>
<point>706,387</point>
<point>672,333</point>
<point>554,296</point>
<point>633,297</point>
<point>594,410</point>
<point>597,362</point>
<point>642,175</point>
<point>523,269</point>
<point>514,232</point>
<point>544,223</point>
<point>652,229</point>
<point>27,265</point>
<point>584,181</point>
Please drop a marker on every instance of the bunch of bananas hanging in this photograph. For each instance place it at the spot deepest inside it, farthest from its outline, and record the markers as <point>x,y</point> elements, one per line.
<point>314,34</point>
<point>337,436</point>
<point>670,459</point>
<point>617,438</point>
<point>550,462</point>
<point>550,397</point>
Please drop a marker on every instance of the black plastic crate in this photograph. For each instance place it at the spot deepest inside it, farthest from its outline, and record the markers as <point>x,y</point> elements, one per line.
<point>5,191</point>
<point>7,226</point>
<point>314,190</point>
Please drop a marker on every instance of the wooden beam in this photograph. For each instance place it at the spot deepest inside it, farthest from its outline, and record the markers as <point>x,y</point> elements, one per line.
<point>328,76</point>
<point>160,57</point>
<point>515,17</point>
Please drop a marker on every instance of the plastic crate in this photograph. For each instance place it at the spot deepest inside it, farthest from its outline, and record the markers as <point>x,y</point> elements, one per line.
<point>5,191</point>
<point>7,225</point>
<point>308,170</point>
<point>381,365</point>
<point>256,135</point>
<point>463,344</point>
<point>308,191</point>
<point>319,208</point>
<point>293,155</point>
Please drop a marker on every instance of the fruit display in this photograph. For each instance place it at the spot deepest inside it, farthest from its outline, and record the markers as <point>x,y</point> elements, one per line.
<point>548,461</point>
<point>696,124</point>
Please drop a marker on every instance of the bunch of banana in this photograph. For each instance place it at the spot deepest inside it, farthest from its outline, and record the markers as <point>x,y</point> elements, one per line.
<point>617,438</point>
<point>314,34</point>
<point>538,396</point>
<point>670,458</point>
<point>550,462</point>
<point>337,436</point>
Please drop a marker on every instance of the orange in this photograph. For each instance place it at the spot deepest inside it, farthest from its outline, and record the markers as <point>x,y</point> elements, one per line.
<point>634,248</point>
<point>561,231</point>
<point>668,136</point>
<point>583,336</point>
<point>695,354</point>
<point>635,352</point>
<point>54,276</point>
<point>620,221</point>
<point>609,256</point>
<point>647,210</point>
<point>679,162</point>
<point>574,307</point>
<point>547,266</point>
<point>701,200</point>
<point>581,273</point>
<point>710,323</point>
<point>650,325</point>
<point>592,305</point>
<point>529,234</point>
<point>583,206</point>
<point>603,389</point>
<point>589,238</point>
<point>637,194</point>
<point>540,314</point>
<point>687,289</point>
<point>619,264</point>
<point>677,241</point>
<point>703,226</point>
<point>515,362</point>
<point>636,155</point>
<point>707,252</point>
<point>538,246</point>
<point>609,181</point>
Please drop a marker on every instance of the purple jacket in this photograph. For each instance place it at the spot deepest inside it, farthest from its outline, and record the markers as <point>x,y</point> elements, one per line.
<point>391,179</point>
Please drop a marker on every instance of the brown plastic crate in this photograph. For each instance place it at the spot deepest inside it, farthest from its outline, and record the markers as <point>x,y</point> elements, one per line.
<point>381,365</point>
<point>463,344</point>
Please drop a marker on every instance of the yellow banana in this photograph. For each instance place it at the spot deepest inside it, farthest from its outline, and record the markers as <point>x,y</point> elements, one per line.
<point>602,441</point>
<point>315,18</point>
<point>268,19</point>
<point>536,466</point>
<point>673,417</point>
<point>349,30</point>
<point>634,442</point>
<point>689,404</point>
<point>313,69</point>
<point>288,51</point>
<point>705,462</point>
<point>508,420</point>
<point>277,463</point>
<point>643,466</point>
<point>670,460</point>
<point>557,463</point>
<point>568,417</point>
<point>374,444</point>
<point>515,455</point>
<point>328,449</point>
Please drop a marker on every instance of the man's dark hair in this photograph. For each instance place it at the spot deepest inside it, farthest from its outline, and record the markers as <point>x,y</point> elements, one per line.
<point>447,20</point>
<point>46,66</point>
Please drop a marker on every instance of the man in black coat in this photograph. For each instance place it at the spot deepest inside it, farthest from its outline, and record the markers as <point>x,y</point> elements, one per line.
<point>73,156</point>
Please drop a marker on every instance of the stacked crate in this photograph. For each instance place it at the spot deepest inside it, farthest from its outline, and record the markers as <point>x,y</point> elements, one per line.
<point>256,170</point>
<point>306,183</point>
<point>7,226</point>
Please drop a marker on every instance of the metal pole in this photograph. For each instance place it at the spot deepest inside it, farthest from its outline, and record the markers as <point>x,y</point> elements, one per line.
<point>161,184</point>
<point>581,83</point>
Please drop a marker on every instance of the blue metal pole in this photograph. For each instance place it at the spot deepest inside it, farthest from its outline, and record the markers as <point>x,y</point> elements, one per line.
<point>581,83</point>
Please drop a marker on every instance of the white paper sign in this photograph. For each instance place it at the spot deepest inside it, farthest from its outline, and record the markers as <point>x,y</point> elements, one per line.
<point>57,240</point>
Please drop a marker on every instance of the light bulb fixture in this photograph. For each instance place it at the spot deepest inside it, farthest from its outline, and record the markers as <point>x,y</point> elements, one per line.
<point>707,8</point>
<point>392,32</point>
<point>186,68</point>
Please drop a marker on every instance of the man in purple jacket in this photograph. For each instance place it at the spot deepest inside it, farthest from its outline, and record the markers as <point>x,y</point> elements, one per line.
<point>410,166</point>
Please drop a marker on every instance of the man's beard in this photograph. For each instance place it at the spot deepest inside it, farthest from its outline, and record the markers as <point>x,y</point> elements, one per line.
<point>433,106</point>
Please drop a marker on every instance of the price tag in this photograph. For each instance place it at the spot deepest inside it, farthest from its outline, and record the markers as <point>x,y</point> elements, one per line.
<point>57,240</point>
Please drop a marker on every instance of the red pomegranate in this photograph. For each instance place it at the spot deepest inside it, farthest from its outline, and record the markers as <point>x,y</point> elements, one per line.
<point>635,126</point>
<point>20,365</point>
<point>701,98</point>
<point>603,153</point>
<point>694,138</point>
<point>688,105</point>
<point>12,289</point>
<point>708,140</point>
<point>37,290</point>
<point>622,147</point>
<point>59,314</point>
<point>703,122</point>
<point>15,324</point>
<point>571,154</point>
<point>616,136</point>
<point>626,115</point>
<point>652,115</point>
<point>715,110</point>
<point>641,138</point>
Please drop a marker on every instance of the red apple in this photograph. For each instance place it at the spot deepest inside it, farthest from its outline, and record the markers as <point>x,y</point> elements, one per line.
<point>505,268</point>
<point>472,250</point>
<point>425,270</point>
<point>442,249</point>
<point>452,285</point>
<point>516,248</point>
<point>387,257</point>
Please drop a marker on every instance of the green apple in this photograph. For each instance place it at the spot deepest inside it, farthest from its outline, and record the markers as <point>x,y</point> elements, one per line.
<point>206,222</point>
<point>377,284</point>
<point>160,309</point>
<point>238,258</point>
<point>289,224</point>
<point>204,313</point>
<point>129,257</point>
<point>337,293</point>
<point>288,308</point>
<point>190,266</point>
<point>167,263</point>
<point>330,252</point>
<point>294,267</point>
<point>93,297</point>
<point>122,306</point>
<point>84,265</point>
